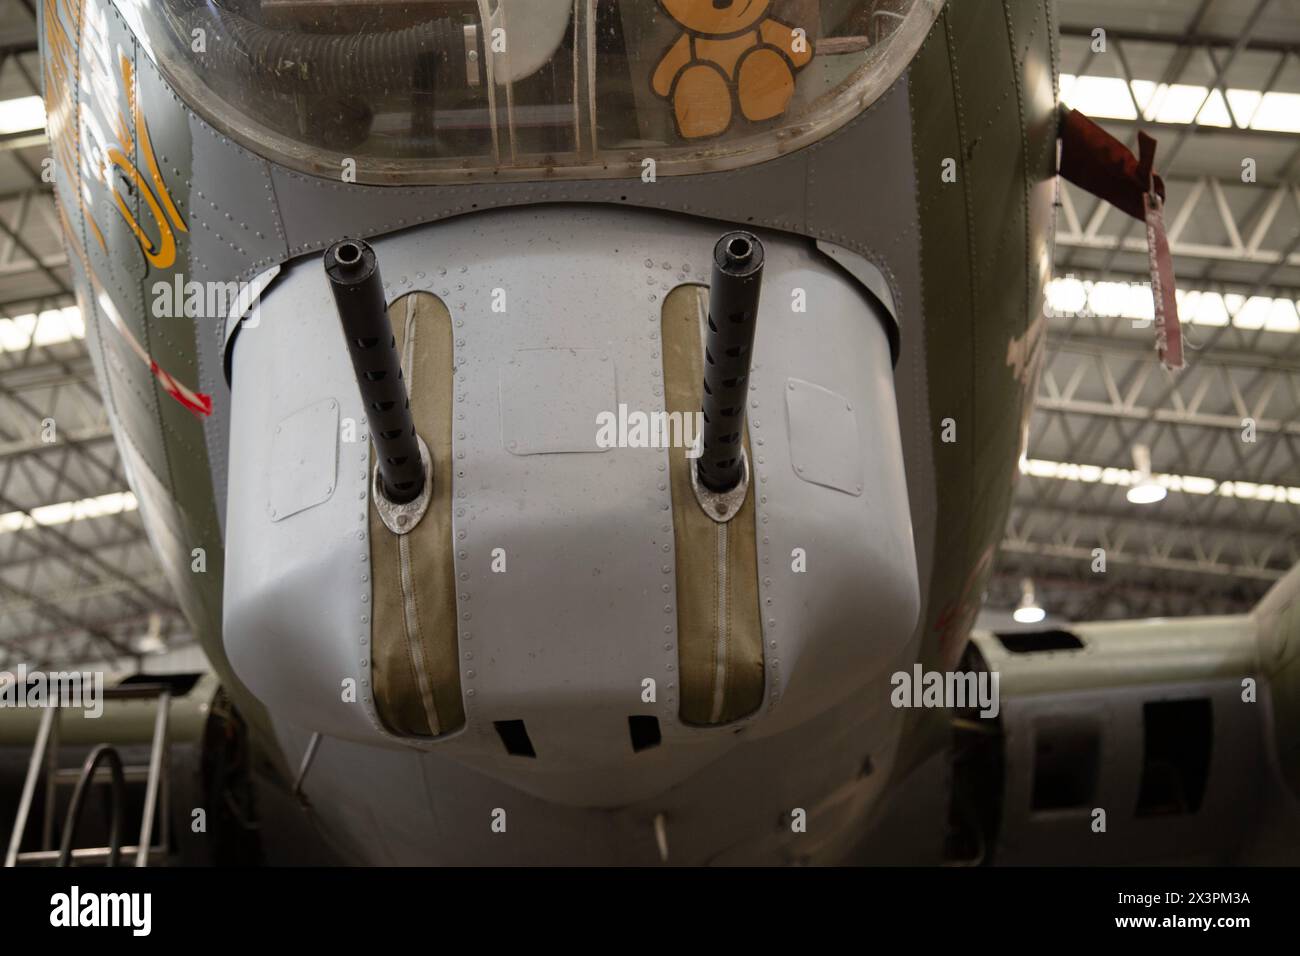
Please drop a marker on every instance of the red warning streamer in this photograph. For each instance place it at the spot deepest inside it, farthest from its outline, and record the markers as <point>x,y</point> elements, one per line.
<point>1096,161</point>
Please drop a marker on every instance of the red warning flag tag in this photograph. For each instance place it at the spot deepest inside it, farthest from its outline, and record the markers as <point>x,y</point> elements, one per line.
<point>1169,331</point>
<point>1096,161</point>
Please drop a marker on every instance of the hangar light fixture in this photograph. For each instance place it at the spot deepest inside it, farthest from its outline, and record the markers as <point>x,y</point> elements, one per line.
<point>1146,490</point>
<point>151,642</point>
<point>1028,610</point>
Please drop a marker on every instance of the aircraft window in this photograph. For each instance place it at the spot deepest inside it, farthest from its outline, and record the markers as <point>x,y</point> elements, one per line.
<point>178,684</point>
<point>1029,642</point>
<point>1177,736</point>
<point>455,90</point>
<point>1067,755</point>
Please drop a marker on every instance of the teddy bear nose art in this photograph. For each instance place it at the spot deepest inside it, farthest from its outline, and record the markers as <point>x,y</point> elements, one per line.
<point>722,4</point>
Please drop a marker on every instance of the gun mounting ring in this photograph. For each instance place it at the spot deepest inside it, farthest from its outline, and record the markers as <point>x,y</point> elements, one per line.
<point>402,518</point>
<point>721,506</point>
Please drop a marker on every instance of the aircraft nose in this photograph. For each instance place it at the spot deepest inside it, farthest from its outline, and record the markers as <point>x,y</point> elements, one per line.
<point>569,614</point>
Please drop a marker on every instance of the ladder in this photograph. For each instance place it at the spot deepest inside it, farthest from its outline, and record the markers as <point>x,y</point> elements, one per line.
<point>155,775</point>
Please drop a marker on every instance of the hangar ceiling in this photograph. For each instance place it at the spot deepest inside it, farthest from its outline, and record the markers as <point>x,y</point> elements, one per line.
<point>1216,81</point>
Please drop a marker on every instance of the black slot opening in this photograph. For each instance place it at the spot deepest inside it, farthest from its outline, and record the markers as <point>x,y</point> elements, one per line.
<point>1176,756</point>
<point>1028,642</point>
<point>1067,756</point>
<point>514,735</point>
<point>178,684</point>
<point>644,732</point>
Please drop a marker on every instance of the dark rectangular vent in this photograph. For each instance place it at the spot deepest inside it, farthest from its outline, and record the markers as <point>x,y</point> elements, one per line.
<point>1028,642</point>
<point>514,735</point>
<point>179,684</point>
<point>644,732</point>
<point>1177,736</point>
<point>1067,756</point>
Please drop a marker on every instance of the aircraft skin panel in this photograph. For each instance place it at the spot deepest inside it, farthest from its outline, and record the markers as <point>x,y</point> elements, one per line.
<point>436,810</point>
<point>978,285</point>
<point>233,231</point>
<point>949,340</point>
<point>983,99</point>
<point>123,204</point>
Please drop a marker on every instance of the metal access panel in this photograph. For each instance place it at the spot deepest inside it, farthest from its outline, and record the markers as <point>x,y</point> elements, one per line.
<point>304,459</point>
<point>551,399</point>
<point>823,437</point>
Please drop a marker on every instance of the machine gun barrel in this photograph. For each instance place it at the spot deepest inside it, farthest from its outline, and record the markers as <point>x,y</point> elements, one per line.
<point>353,271</point>
<point>728,353</point>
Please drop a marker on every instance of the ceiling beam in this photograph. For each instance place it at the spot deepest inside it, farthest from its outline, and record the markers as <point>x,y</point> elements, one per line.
<point>1194,38</point>
<point>1041,549</point>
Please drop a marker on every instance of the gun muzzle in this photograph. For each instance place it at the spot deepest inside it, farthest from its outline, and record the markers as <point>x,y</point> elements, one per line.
<point>353,271</point>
